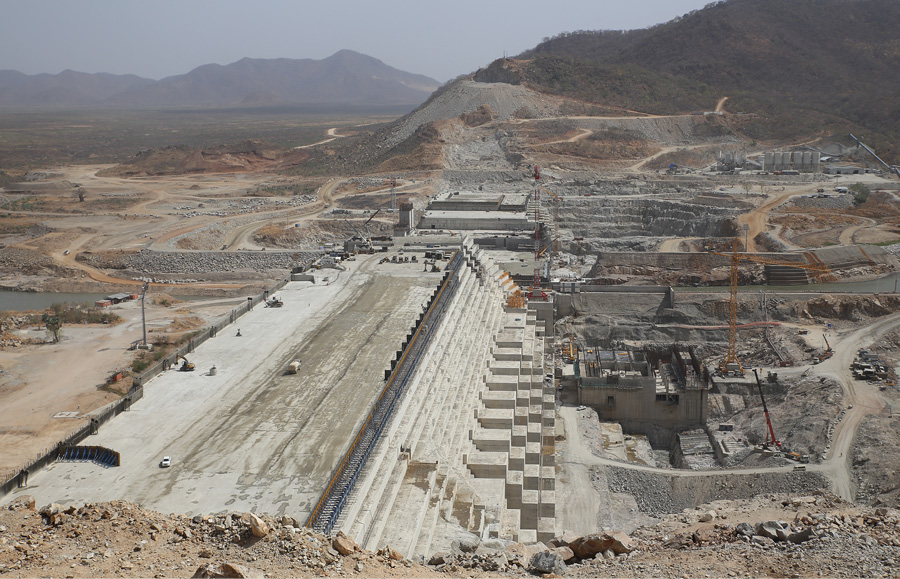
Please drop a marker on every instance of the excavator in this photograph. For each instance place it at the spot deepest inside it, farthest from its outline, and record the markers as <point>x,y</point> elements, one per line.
<point>185,365</point>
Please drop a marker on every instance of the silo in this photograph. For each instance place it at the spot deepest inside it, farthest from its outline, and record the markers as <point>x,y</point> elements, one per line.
<point>798,159</point>
<point>816,157</point>
<point>807,161</point>
<point>770,157</point>
<point>776,163</point>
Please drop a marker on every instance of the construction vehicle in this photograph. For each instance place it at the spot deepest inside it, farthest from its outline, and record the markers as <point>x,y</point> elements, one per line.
<point>730,365</point>
<point>274,302</point>
<point>892,168</point>
<point>828,353</point>
<point>293,367</point>
<point>186,366</point>
<point>770,435</point>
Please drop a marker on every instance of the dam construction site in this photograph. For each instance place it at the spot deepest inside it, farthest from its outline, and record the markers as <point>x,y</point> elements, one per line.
<point>526,340</point>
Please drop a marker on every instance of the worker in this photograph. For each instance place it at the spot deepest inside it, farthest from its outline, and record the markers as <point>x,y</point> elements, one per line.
<point>239,333</point>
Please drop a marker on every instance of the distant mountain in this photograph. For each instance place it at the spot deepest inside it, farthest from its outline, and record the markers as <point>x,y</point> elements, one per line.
<point>345,78</point>
<point>68,88</point>
<point>803,65</point>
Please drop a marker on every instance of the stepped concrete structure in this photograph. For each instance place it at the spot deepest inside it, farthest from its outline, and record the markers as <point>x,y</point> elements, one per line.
<point>471,449</point>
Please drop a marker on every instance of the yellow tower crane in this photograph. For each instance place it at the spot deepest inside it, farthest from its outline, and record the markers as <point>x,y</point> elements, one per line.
<point>731,363</point>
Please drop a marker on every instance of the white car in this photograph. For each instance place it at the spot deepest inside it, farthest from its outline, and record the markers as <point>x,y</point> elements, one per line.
<point>166,462</point>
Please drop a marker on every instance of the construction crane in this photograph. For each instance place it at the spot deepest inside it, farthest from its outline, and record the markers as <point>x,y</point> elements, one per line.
<point>367,243</point>
<point>536,291</point>
<point>892,168</point>
<point>770,435</point>
<point>555,218</point>
<point>731,364</point>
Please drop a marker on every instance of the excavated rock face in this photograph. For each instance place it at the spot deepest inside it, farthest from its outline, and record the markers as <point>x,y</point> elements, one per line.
<point>501,70</point>
<point>600,217</point>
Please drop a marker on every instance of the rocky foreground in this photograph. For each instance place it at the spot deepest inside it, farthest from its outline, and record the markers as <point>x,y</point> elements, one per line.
<point>824,537</point>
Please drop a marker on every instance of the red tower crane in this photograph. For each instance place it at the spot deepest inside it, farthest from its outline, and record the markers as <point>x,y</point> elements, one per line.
<point>770,436</point>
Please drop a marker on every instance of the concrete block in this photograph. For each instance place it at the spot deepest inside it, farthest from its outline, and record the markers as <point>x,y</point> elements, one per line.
<point>535,414</point>
<point>505,368</point>
<point>523,398</point>
<point>529,511</point>
<point>548,478</point>
<point>502,383</point>
<point>534,432</point>
<point>491,440</point>
<point>521,416</point>
<point>532,454</point>
<point>549,456</point>
<point>514,487</point>
<point>549,400</point>
<point>548,436</point>
<point>498,399</point>
<point>548,504</point>
<point>517,458</point>
<point>496,418</point>
<point>546,529</point>
<point>531,479</point>
<point>509,524</point>
<point>519,436</point>
<point>488,464</point>
<point>528,536</point>
<point>548,419</point>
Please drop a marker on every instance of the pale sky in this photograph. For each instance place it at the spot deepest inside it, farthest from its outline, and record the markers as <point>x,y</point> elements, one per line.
<point>159,38</point>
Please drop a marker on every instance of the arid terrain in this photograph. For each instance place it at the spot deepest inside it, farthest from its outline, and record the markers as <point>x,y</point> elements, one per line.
<point>629,199</point>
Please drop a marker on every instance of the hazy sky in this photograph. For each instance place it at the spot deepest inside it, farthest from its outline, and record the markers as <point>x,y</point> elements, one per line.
<point>158,38</point>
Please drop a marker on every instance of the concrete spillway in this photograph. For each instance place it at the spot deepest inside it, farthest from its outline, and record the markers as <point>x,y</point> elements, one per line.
<point>471,449</point>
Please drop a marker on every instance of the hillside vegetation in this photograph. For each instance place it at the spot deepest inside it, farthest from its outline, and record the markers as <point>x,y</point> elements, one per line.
<point>807,67</point>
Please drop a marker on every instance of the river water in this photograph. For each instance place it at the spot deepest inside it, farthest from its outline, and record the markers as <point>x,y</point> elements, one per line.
<point>24,301</point>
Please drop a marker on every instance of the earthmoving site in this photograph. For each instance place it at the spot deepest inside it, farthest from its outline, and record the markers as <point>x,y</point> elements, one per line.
<point>523,324</point>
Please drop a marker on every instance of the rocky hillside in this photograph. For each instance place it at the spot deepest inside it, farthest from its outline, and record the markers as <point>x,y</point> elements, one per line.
<point>772,535</point>
<point>807,67</point>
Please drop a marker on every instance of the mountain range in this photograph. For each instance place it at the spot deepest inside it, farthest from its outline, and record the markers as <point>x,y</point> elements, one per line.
<point>344,78</point>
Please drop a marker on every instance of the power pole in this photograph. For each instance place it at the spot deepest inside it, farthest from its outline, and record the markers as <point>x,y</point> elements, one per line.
<point>143,313</point>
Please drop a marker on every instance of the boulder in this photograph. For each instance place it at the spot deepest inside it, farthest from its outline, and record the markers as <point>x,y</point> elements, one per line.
<point>588,546</point>
<point>680,541</point>
<point>801,536</point>
<point>565,553</point>
<point>745,529</point>
<point>344,544</point>
<point>517,554</point>
<point>51,509</point>
<point>465,543</point>
<point>706,536</point>
<point>437,559</point>
<point>708,516</point>
<point>258,527</point>
<point>769,529</point>
<point>547,562</point>
<point>223,570</point>
<point>23,503</point>
<point>564,539</point>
